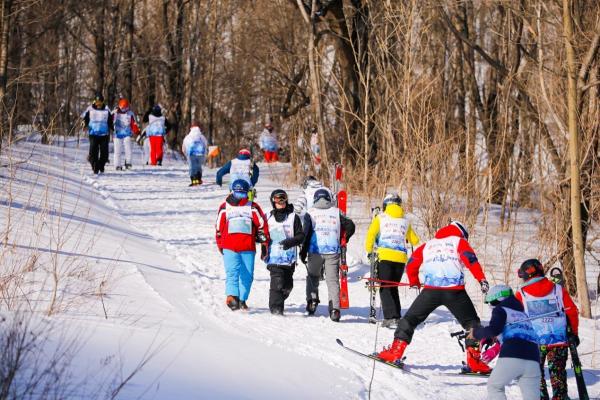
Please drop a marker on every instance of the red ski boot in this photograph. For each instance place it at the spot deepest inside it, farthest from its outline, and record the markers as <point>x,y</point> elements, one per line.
<point>474,363</point>
<point>394,352</point>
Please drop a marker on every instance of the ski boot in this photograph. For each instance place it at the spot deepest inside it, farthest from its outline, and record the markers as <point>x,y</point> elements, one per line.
<point>277,311</point>
<point>390,323</point>
<point>393,354</point>
<point>233,303</point>
<point>311,306</point>
<point>474,364</point>
<point>334,313</point>
<point>119,168</point>
<point>127,165</point>
<point>159,162</point>
<point>193,182</point>
<point>244,306</point>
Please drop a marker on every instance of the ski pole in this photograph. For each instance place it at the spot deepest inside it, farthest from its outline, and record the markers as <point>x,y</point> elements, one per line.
<point>548,314</point>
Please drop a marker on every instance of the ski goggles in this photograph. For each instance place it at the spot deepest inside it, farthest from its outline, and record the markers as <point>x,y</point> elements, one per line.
<point>280,198</point>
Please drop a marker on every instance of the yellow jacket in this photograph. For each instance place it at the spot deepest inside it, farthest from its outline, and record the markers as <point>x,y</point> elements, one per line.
<point>394,211</point>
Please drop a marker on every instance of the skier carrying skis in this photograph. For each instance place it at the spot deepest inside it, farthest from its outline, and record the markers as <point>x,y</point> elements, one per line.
<point>539,295</point>
<point>324,227</point>
<point>240,167</point>
<point>519,354</point>
<point>241,223</point>
<point>158,126</point>
<point>390,230</point>
<point>441,261</point>
<point>268,144</point>
<point>285,230</point>
<point>195,148</point>
<point>99,123</point>
<point>125,125</point>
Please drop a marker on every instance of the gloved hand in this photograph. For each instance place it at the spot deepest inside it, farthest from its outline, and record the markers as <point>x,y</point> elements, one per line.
<point>485,286</point>
<point>261,237</point>
<point>491,353</point>
<point>286,243</point>
<point>574,339</point>
<point>220,250</point>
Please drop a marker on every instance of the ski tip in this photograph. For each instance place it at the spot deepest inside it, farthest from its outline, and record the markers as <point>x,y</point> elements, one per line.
<point>338,341</point>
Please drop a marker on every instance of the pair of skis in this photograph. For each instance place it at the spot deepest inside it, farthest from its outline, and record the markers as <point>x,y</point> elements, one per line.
<point>372,283</point>
<point>342,199</point>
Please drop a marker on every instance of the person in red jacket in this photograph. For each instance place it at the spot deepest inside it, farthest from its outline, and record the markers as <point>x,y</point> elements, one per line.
<point>441,262</point>
<point>541,296</point>
<point>240,224</point>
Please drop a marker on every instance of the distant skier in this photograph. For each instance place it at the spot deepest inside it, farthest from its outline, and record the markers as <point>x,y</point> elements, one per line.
<point>315,148</point>
<point>268,144</point>
<point>390,230</point>
<point>195,148</point>
<point>324,226</point>
<point>285,230</point>
<point>156,130</point>
<point>519,355</point>
<point>305,201</point>
<point>125,125</point>
<point>441,261</point>
<point>99,123</point>
<point>240,225</point>
<point>539,295</point>
<point>240,167</point>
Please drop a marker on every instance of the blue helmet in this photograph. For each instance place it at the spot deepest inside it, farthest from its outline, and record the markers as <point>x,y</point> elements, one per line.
<point>322,194</point>
<point>240,188</point>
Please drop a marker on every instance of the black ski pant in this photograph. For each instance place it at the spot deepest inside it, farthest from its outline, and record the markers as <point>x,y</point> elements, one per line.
<point>98,155</point>
<point>457,302</point>
<point>390,300</point>
<point>282,283</point>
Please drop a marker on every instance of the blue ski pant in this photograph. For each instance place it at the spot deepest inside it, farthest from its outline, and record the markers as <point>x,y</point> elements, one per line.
<point>195,163</point>
<point>239,273</point>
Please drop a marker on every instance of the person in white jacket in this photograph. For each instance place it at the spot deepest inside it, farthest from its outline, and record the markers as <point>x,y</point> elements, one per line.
<point>195,148</point>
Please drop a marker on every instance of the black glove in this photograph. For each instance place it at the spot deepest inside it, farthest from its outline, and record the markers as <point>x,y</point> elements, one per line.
<point>485,286</point>
<point>286,244</point>
<point>264,251</point>
<point>303,256</point>
<point>261,237</point>
<point>575,339</point>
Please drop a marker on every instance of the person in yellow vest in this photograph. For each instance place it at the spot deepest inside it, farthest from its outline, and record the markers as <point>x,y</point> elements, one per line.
<point>390,231</point>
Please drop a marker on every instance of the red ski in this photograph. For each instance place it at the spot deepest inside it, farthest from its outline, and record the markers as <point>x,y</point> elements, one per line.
<point>341,202</point>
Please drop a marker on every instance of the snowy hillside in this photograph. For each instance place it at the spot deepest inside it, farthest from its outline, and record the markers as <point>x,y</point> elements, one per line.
<point>150,238</point>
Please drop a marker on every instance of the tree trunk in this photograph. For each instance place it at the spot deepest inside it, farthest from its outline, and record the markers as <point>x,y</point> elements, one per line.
<point>576,231</point>
<point>129,31</point>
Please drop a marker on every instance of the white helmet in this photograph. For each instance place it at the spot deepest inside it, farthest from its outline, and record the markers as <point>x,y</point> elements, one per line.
<point>497,293</point>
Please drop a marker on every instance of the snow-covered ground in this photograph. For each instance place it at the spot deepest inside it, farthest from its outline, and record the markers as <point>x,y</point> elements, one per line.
<point>140,248</point>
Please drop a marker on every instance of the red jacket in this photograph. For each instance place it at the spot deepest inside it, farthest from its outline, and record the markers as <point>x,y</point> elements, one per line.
<point>542,288</point>
<point>239,241</point>
<point>465,253</point>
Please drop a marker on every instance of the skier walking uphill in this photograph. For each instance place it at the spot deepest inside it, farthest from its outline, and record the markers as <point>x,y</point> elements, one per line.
<point>441,261</point>
<point>519,354</point>
<point>125,125</point>
<point>158,126</point>
<point>195,148</point>
<point>99,123</point>
<point>390,230</point>
<point>324,226</point>
<point>240,167</point>
<point>240,224</point>
<point>268,144</point>
<point>539,295</point>
<point>285,230</point>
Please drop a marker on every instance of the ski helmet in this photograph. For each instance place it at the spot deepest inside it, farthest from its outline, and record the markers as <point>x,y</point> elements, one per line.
<point>98,97</point>
<point>244,152</point>
<point>497,293</point>
<point>307,180</point>
<point>322,194</point>
<point>123,104</point>
<point>278,194</point>
<point>240,188</point>
<point>156,110</point>
<point>461,227</point>
<point>391,198</point>
<point>530,269</point>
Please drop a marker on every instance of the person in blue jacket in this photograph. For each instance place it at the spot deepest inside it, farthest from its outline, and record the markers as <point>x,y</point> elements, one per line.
<point>99,123</point>
<point>519,353</point>
<point>240,167</point>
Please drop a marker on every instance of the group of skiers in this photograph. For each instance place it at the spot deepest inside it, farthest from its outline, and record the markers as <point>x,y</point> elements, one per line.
<point>100,122</point>
<point>527,328</point>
